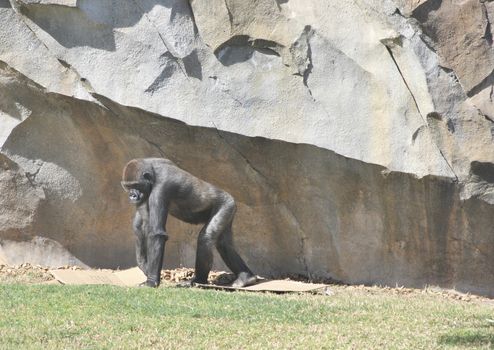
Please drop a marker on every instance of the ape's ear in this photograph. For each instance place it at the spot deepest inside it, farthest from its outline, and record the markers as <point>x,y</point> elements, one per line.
<point>124,186</point>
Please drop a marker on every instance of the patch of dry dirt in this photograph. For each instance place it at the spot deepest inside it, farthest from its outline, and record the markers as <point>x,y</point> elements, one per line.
<point>30,274</point>
<point>33,274</point>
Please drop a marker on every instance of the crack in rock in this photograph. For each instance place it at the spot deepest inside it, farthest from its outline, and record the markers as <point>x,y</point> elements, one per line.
<point>274,197</point>
<point>85,83</point>
<point>417,132</point>
<point>230,15</point>
<point>32,176</point>
<point>301,53</point>
<point>168,48</point>
<point>18,10</point>
<point>303,237</point>
<point>154,26</point>
<point>388,44</point>
<point>488,34</point>
<point>488,118</point>
<point>157,146</point>
<point>266,183</point>
<point>485,83</point>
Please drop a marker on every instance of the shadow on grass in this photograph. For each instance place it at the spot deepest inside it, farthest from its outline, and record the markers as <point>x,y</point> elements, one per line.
<point>475,338</point>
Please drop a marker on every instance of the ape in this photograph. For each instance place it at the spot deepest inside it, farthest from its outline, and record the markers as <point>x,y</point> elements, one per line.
<point>158,187</point>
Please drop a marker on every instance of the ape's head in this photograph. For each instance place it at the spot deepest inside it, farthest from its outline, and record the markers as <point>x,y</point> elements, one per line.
<point>137,180</point>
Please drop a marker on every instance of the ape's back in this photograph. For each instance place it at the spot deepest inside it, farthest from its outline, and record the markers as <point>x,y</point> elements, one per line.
<point>189,198</point>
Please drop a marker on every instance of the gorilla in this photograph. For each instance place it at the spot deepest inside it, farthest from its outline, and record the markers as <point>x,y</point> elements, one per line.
<point>158,187</point>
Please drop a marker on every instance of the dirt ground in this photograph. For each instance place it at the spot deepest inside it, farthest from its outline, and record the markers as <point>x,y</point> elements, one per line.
<point>32,274</point>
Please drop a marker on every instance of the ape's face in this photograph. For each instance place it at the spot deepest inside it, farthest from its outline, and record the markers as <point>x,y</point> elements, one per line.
<point>135,196</point>
<point>138,192</point>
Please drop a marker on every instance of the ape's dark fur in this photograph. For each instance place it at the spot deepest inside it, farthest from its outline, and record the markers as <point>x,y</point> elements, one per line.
<point>158,187</point>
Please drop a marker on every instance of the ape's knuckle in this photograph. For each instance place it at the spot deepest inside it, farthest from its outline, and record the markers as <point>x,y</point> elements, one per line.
<point>229,199</point>
<point>229,203</point>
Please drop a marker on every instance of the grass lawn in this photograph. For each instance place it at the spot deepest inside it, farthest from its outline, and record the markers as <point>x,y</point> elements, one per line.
<point>97,317</point>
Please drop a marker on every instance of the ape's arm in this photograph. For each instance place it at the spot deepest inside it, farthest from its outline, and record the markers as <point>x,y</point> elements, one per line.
<point>156,236</point>
<point>158,211</point>
<point>141,255</point>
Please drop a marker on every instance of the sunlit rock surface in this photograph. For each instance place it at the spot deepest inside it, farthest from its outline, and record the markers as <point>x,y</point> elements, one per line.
<point>356,136</point>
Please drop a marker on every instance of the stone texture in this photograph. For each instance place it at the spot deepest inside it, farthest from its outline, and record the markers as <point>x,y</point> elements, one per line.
<point>138,60</point>
<point>356,136</point>
<point>38,251</point>
<point>444,22</point>
<point>20,200</point>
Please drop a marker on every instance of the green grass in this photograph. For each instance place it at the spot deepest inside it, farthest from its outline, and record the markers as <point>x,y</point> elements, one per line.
<point>101,317</point>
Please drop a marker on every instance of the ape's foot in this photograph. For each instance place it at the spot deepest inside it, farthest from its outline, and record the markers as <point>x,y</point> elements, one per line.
<point>149,283</point>
<point>244,279</point>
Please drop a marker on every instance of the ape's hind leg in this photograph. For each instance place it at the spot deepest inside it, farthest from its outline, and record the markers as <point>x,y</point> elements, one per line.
<point>204,257</point>
<point>219,222</point>
<point>234,262</point>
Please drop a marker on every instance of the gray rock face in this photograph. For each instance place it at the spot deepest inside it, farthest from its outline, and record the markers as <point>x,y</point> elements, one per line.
<point>356,136</point>
<point>39,251</point>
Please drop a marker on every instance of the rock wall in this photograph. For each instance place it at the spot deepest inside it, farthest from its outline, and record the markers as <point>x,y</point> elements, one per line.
<point>356,136</point>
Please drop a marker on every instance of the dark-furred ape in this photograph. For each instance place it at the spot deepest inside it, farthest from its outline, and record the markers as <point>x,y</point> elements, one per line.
<point>158,187</point>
